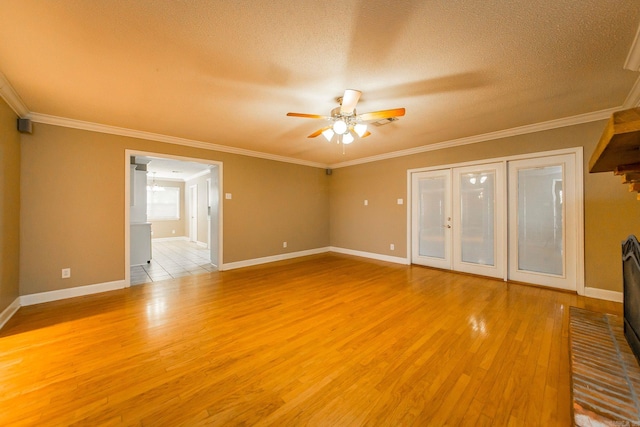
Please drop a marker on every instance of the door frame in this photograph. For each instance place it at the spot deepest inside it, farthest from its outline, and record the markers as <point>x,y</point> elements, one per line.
<point>127,194</point>
<point>579,206</point>
<point>193,213</point>
<point>208,198</point>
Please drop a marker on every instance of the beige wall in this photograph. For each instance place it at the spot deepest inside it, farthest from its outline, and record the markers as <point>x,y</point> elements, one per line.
<point>73,206</point>
<point>611,213</point>
<point>72,211</point>
<point>287,202</point>
<point>165,228</point>
<point>9,206</point>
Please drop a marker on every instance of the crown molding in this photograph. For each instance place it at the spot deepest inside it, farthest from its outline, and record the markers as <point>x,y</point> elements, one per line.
<point>160,179</point>
<point>521,130</point>
<point>633,98</point>
<point>180,180</point>
<point>633,57</point>
<point>113,130</point>
<point>12,98</point>
<point>198,175</point>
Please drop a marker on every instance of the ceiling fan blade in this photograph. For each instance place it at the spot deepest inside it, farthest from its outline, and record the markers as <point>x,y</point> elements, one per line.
<point>307,116</point>
<point>366,134</point>
<point>383,114</point>
<point>318,132</point>
<point>349,101</point>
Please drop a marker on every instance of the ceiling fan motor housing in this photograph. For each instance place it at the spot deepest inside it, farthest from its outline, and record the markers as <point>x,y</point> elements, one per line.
<point>350,120</point>
<point>337,114</point>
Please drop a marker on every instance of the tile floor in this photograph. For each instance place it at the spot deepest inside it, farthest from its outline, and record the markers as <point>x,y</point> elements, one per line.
<point>171,259</point>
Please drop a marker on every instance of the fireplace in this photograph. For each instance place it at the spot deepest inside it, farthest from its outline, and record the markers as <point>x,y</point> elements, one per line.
<point>631,281</point>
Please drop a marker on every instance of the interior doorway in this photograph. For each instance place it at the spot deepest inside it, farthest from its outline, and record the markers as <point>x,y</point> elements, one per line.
<point>183,213</point>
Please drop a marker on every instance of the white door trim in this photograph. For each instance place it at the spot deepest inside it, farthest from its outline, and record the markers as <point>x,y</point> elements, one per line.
<point>193,213</point>
<point>208,185</point>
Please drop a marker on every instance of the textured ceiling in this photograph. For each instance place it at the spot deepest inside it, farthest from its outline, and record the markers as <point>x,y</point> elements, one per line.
<point>227,72</point>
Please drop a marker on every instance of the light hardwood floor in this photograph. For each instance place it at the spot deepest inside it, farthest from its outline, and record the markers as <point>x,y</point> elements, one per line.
<point>323,340</point>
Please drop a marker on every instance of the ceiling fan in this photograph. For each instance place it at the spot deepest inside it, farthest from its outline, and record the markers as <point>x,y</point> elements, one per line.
<point>345,123</point>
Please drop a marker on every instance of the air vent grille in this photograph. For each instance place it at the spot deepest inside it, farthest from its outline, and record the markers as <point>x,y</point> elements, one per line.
<point>384,121</point>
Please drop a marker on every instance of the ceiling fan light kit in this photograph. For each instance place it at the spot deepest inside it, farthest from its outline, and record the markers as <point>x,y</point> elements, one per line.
<point>347,138</point>
<point>361,129</point>
<point>340,127</point>
<point>346,123</point>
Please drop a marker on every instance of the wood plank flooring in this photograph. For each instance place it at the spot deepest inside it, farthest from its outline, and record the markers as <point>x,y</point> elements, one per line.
<point>322,340</point>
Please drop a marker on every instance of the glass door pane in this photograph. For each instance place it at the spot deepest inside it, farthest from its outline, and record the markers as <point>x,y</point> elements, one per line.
<point>540,220</point>
<point>478,219</point>
<point>431,219</point>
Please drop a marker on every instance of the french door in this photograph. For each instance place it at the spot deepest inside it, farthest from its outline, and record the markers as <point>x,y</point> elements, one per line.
<point>457,219</point>
<point>431,218</point>
<point>542,221</point>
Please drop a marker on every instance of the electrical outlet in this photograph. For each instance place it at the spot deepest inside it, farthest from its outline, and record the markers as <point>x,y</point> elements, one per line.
<point>400,201</point>
<point>284,244</point>
<point>66,273</point>
<point>173,231</point>
<point>392,247</point>
<point>227,196</point>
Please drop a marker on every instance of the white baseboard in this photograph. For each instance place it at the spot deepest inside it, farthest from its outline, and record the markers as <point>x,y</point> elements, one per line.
<point>264,260</point>
<point>71,292</point>
<point>202,244</point>
<point>603,294</point>
<point>8,312</point>
<point>379,257</point>
<point>169,239</point>
<point>267,259</point>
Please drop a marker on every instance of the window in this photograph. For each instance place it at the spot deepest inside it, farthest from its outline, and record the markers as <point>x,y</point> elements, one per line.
<point>163,203</point>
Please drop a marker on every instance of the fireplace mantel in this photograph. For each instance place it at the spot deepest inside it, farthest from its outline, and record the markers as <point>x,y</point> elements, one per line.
<point>618,150</point>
